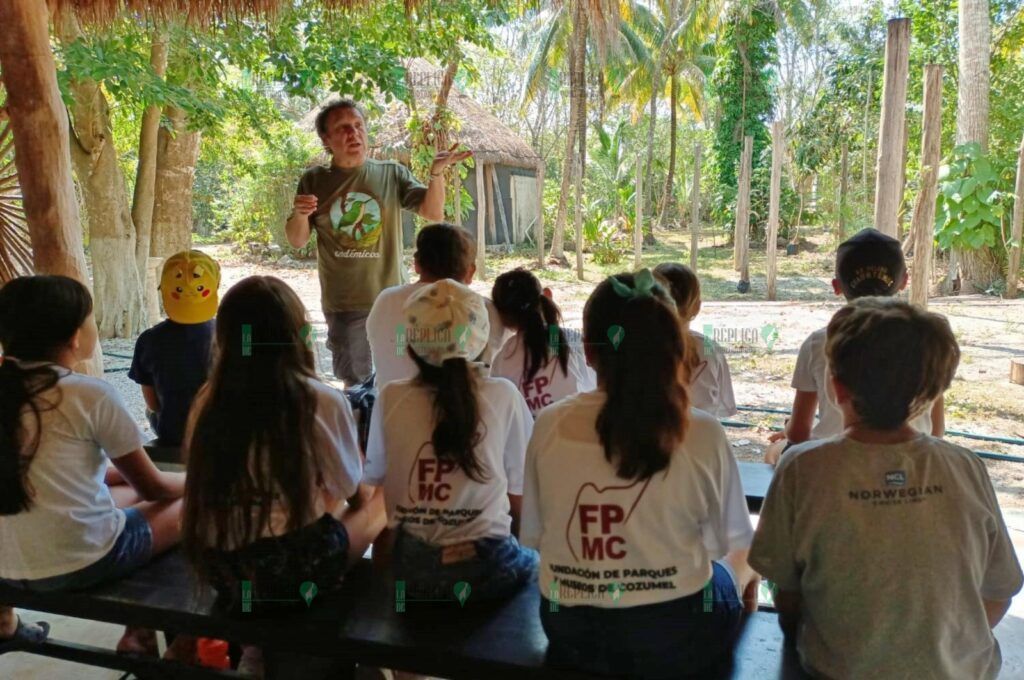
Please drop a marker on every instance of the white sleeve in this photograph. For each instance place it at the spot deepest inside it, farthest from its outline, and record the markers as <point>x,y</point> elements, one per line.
<point>374,337</point>
<point>338,456</point>
<point>730,528</point>
<point>530,516</point>
<point>726,398</point>
<point>586,378</point>
<point>113,428</point>
<point>804,377</point>
<point>519,429</point>
<point>376,462</point>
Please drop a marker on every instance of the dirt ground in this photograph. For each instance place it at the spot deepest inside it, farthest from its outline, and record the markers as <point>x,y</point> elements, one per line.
<point>989,330</point>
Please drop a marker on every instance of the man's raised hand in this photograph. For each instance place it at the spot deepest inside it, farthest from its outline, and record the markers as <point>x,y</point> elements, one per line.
<point>305,204</point>
<point>450,157</point>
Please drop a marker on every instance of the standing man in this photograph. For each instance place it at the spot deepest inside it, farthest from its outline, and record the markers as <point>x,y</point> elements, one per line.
<point>355,205</point>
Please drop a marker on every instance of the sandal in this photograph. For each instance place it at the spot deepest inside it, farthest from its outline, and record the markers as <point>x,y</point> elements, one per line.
<point>25,634</point>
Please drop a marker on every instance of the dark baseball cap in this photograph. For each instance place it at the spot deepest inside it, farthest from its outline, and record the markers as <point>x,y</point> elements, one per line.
<point>870,263</point>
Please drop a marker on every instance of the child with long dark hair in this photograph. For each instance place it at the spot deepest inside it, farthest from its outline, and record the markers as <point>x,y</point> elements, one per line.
<point>539,359</point>
<point>272,456</point>
<point>447,447</point>
<point>61,526</point>
<point>707,369</point>
<point>633,499</point>
<point>886,544</point>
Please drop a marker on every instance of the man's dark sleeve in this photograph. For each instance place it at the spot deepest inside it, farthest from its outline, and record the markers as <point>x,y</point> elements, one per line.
<point>410,192</point>
<point>141,370</point>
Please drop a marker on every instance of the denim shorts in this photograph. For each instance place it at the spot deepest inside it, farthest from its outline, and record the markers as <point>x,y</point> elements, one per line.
<point>684,637</point>
<point>494,568</point>
<point>133,548</point>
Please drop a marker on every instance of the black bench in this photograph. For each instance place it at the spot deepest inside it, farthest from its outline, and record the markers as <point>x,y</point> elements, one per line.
<point>161,453</point>
<point>755,478</point>
<point>360,624</point>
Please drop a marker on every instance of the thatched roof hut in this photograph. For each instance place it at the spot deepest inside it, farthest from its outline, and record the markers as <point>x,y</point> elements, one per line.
<point>491,140</point>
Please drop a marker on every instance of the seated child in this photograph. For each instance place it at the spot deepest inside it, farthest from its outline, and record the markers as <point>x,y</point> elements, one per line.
<point>443,251</point>
<point>709,380</point>
<point>272,457</point>
<point>886,545</point>
<point>447,447</point>
<point>633,500</point>
<point>61,526</point>
<point>171,358</point>
<point>868,263</point>
<point>539,359</point>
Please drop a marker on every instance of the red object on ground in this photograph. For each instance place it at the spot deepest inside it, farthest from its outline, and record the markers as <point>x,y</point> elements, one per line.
<point>213,653</point>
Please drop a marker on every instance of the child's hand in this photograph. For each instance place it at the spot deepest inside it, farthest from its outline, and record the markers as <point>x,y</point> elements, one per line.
<point>774,451</point>
<point>776,436</point>
<point>305,204</point>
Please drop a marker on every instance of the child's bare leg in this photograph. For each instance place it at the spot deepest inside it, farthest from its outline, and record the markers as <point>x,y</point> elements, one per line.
<point>8,622</point>
<point>164,519</point>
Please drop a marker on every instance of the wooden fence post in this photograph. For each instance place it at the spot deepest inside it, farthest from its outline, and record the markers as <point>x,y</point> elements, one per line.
<point>481,216</point>
<point>1017,228</point>
<point>638,224</point>
<point>695,208</point>
<point>773,204</point>
<point>892,148</point>
<point>844,181</point>
<point>741,236</point>
<point>923,223</point>
<point>539,224</point>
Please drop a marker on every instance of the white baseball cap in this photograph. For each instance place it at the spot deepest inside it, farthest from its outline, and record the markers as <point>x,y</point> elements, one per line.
<point>446,320</point>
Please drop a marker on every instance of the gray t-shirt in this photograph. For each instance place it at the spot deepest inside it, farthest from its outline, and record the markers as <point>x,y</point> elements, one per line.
<point>892,548</point>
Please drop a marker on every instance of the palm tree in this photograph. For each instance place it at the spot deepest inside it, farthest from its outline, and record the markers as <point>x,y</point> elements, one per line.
<point>670,55</point>
<point>565,28</point>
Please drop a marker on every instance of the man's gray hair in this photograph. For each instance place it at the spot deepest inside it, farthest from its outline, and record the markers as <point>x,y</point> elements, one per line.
<point>334,105</point>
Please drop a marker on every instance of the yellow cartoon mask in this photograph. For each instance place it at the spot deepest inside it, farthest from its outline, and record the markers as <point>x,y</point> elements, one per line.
<point>188,286</point>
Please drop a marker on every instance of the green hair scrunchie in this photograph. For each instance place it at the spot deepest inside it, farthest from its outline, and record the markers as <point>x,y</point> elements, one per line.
<point>644,285</point>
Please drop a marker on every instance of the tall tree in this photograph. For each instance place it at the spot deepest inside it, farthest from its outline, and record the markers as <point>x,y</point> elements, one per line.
<point>743,84</point>
<point>980,267</point>
<point>568,29</point>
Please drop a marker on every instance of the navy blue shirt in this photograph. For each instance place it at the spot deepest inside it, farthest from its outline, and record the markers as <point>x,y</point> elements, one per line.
<point>173,358</point>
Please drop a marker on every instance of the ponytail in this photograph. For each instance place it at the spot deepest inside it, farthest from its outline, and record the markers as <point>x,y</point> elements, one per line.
<point>684,287</point>
<point>456,413</point>
<point>638,354</point>
<point>38,316</point>
<point>520,301</point>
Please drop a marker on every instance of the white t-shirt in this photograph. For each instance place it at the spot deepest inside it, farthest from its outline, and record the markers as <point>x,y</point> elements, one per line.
<point>609,542</point>
<point>338,462</point>
<point>811,375</point>
<point>435,500</point>
<point>711,383</point>
<point>549,384</point>
<point>390,360</point>
<point>72,522</point>
<point>892,547</point>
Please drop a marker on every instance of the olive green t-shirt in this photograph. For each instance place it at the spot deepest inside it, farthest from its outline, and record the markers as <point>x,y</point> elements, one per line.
<point>358,223</point>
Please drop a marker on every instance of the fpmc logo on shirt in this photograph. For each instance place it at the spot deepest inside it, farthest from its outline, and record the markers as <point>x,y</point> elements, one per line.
<point>594,531</point>
<point>428,483</point>
<point>540,397</point>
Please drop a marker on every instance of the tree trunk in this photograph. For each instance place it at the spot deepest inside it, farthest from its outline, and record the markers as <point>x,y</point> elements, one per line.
<point>923,223</point>
<point>580,67</point>
<point>980,268</point>
<point>175,173</point>
<point>39,125</point>
<point>892,150</point>
<point>667,194</point>
<point>774,194</point>
<point>576,95</point>
<point>145,174</point>
<point>695,208</point>
<point>120,309</point>
<point>1016,229</point>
